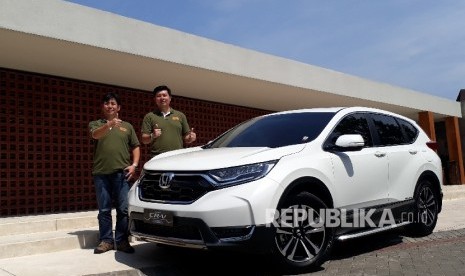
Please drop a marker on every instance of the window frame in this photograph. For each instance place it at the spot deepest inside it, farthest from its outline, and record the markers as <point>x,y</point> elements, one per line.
<point>329,145</point>
<point>377,140</point>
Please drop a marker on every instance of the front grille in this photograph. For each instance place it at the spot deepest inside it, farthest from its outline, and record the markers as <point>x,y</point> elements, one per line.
<point>188,232</point>
<point>184,188</point>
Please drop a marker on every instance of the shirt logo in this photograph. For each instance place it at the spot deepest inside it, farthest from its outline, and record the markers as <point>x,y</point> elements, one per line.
<point>174,118</point>
<point>165,180</point>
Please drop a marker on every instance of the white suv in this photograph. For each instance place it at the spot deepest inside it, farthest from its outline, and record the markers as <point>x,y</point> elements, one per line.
<point>291,183</point>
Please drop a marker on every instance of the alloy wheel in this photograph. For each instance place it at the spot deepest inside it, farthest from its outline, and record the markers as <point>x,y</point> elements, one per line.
<point>301,233</point>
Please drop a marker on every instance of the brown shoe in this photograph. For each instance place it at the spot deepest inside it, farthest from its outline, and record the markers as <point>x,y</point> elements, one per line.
<point>125,247</point>
<point>103,247</point>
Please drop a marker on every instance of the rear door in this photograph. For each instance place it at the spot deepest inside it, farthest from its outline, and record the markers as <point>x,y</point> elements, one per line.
<point>405,158</point>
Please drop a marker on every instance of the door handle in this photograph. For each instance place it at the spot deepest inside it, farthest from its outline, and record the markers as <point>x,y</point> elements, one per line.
<point>380,154</point>
<point>413,152</point>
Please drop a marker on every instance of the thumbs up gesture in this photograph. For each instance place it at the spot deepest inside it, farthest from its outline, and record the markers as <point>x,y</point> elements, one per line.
<point>190,136</point>
<point>156,131</point>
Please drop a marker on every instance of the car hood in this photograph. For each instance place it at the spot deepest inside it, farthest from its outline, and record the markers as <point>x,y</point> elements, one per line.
<point>198,159</point>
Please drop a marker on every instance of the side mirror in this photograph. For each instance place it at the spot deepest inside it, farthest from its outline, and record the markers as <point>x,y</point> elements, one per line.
<point>350,142</point>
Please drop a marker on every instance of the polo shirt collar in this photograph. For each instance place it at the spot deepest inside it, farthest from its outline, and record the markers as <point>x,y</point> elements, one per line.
<point>158,112</point>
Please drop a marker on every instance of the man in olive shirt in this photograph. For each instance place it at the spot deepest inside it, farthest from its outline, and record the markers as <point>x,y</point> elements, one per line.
<point>165,128</point>
<point>114,140</point>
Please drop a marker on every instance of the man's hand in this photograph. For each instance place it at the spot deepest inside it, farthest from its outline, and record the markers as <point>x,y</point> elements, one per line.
<point>190,136</point>
<point>130,171</point>
<point>115,122</point>
<point>156,132</point>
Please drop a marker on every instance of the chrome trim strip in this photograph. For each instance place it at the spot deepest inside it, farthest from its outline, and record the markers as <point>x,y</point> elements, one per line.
<point>372,231</point>
<point>240,238</point>
<point>194,244</point>
<point>204,175</point>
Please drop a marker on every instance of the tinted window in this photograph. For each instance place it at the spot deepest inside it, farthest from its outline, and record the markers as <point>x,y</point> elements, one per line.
<point>275,130</point>
<point>410,131</point>
<point>352,124</point>
<point>389,132</point>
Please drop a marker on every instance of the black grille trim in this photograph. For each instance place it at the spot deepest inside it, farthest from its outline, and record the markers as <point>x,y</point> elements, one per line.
<point>191,229</point>
<point>188,232</point>
<point>184,188</point>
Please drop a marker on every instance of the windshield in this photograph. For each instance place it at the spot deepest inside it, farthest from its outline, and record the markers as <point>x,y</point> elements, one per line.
<point>275,131</point>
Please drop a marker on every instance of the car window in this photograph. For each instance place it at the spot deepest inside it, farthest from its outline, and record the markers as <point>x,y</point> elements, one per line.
<point>411,132</point>
<point>276,130</point>
<point>389,131</point>
<point>352,124</point>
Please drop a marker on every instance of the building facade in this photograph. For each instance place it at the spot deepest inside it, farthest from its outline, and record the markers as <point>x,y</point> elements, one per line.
<point>57,59</point>
<point>46,150</point>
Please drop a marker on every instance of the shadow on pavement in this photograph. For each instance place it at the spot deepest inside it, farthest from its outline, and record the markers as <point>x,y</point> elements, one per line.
<point>153,259</point>
<point>180,261</point>
<point>87,238</point>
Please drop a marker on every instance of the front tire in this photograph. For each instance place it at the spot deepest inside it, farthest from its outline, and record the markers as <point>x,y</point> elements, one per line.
<point>426,209</point>
<point>302,241</point>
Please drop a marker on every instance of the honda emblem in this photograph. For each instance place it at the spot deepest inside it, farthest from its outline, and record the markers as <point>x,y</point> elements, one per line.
<point>165,180</point>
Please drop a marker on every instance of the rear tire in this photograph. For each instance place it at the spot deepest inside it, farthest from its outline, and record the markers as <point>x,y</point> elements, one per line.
<point>426,209</point>
<point>306,242</point>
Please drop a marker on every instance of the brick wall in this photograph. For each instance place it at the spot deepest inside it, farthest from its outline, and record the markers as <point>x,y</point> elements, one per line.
<point>46,152</point>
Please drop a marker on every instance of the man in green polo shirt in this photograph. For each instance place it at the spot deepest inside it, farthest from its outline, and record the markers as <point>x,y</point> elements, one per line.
<point>114,141</point>
<point>165,128</point>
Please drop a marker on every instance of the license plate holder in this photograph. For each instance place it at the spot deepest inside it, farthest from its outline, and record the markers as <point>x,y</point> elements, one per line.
<point>158,217</point>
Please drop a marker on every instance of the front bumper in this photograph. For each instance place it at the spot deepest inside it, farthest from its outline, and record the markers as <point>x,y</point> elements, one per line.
<point>246,204</point>
<point>195,233</point>
<point>225,218</point>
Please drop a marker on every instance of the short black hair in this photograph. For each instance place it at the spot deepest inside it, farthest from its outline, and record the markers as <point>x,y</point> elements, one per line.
<point>110,96</point>
<point>161,88</point>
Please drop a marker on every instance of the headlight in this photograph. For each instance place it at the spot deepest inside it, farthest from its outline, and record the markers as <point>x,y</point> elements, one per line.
<point>241,174</point>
